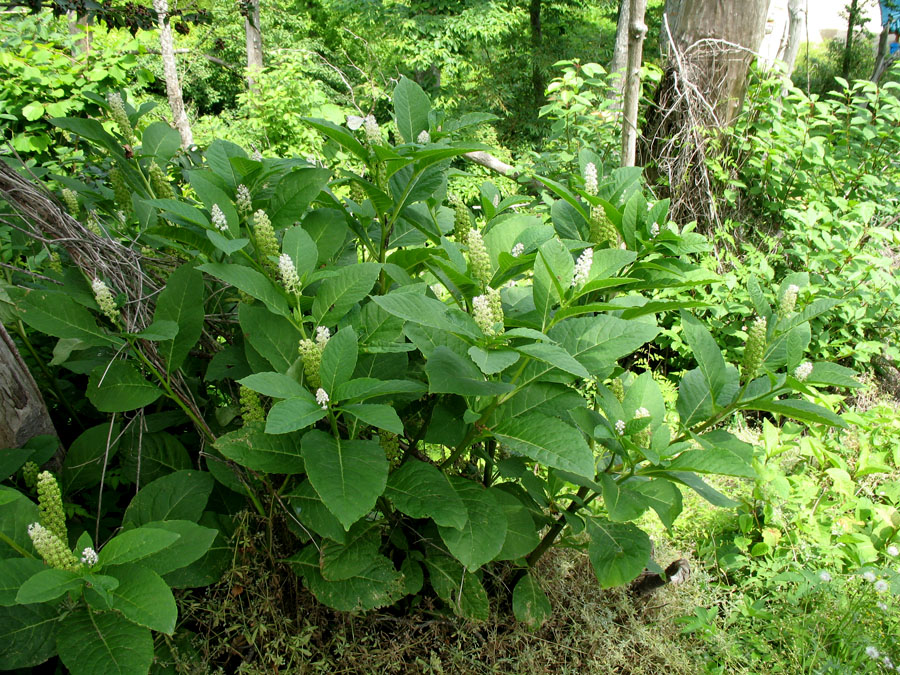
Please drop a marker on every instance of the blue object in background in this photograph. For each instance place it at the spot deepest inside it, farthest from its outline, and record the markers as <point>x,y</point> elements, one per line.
<point>894,47</point>
<point>890,14</point>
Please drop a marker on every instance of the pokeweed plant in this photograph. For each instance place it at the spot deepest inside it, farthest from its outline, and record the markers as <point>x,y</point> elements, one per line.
<point>416,394</point>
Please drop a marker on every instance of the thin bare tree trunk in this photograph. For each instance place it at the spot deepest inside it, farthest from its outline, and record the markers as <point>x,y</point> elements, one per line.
<point>537,35</point>
<point>173,86</point>
<point>254,41</point>
<point>796,22</point>
<point>637,31</point>
<point>23,413</point>
<point>881,55</point>
<point>852,21</point>
<point>619,63</point>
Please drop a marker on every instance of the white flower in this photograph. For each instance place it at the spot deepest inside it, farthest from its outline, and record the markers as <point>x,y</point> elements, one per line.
<point>881,586</point>
<point>824,576</point>
<point>880,605</point>
<point>872,652</point>
<point>583,268</point>
<point>887,662</point>
<point>257,156</point>
<point>892,551</point>
<point>288,272</point>
<point>89,557</point>
<point>590,178</point>
<point>802,371</point>
<point>484,314</point>
<point>424,137</point>
<point>641,413</point>
<point>322,398</point>
<point>654,230</point>
<point>218,219</point>
<point>323,335</point>
<point>517,250</point>
<point>373,131</point>
<point>496,201</point>
<point>620,427</point>
<point>244,199</point>
<point>104,299</point>
<point>869,576</point>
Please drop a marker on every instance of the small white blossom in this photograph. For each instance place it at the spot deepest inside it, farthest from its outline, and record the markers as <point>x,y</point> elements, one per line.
<point>641,413</point>
<point>824,576</point>
<point>483,314</point>
<point>323,335</point>
<point>89,557</point>
<point>289,276</point>
<point>517,250</point>
<point>620,427</point>
<point>892,551</point>
<point>881,586</point>
<point>802,371</point>
<point>872,652</point>
<point>373,131</point>
<point>496,200</point>
<point>257,156</point>
<point>424,137</point>
<point>590,178</point>
<point>218,219</point>
<point>322,398</point>
<point>869,576</point>
<point>654,230</point>
<point>880,605</point>
<point>244,199</point>
<point>887,661</point>
<point>104,299</point>
<point>583,268</point>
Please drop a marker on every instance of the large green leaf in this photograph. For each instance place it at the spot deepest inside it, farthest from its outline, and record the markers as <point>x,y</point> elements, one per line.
<point>219,156</point>
<point>179,496</point>
<point>548,440</point>
<point>555,356</point>
<point>88,455</point>
<point>664,497</point>
<point>426,311</point>
<point>294,193</point>
<point>362,388</point>
<point>136,544</point>
<point>195,541</point>
<point>802,410</point>
<point>58,315</point>
<point>450,373</point>
<point>376,415</point>
<point>253,448</point>
<point>103,643</point>
<point>348,475</point>
<point>251,282</point>
<point>313,513</point>
<point>344,560</point>
<point>13,573</point>
<point>48,584</point>
<point>274,337</point>
<point>28,635</point>
<point>597,342</point>
<point>722,453</point>
<point>119,387</point>
<point>530,604</point>
<point>339,293</point>
<point>340,135</point>
<point>181,301</point>
<point>376,586</point>
<point>553,269</point>
<point>460,589</point>
<point>275,385</point>
<point>521,534</point>
<point>618,551</point>
<point>17,512</point>
<point>719,379</point>
<point>161,141</point>
<point>411,108</point>
<point>301,248</point>
<point>338,359</point>
<point>421,490</point>
<point>481,538</point>
<point>293,414</point>
<point>144,598</point>
<point>622,504</point>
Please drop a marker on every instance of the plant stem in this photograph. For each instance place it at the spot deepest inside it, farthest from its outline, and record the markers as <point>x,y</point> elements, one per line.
<point>556,528</point>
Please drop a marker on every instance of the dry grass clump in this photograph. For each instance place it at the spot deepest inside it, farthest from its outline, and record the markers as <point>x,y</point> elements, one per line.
<point>259,619</point>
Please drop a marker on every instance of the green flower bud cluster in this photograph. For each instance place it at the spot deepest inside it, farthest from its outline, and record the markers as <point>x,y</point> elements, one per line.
<point>251,407</point>
<point>93,223</point>
<point>390,443</point>
<point>754,350</point>
<point>788,301</point>
<point>311,355</point>
<point>462,221</point>
<point>160,182</point>
<point>50,505</point>
<point>244,199</point>
<point>479,260</point>
<point>30,472</point>
<point>266,242</point>
<point>71,201</point>
<point>357,193</point>
<point>55,263</point>
<point>602,229</point>
<point>120,116</point>
<point>105,300</point>
<point>121,192</point>
<point>618,389</point>
<point>487,310</point>
<point>52,549</point>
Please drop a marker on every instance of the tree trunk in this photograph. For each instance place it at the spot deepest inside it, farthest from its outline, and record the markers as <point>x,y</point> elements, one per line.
<point>881,57</point>
<point>537,78</point>
<point>637,31</point>
<point>254,41</point>
<point>619,62</point>
<point>80,25</point>
<point>852,20</point>
<point>796,25</point>
<point>173,87</point>
<point>23,413</point>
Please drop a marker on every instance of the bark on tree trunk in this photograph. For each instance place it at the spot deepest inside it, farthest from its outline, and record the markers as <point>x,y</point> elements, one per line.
<point>537,78</point>
<point>23,413</point>
<point>619,63</point>
<point>881,57</point>
<point>254,41</point>
<point>852,21</point>
<point>173,86</point>
<point>637,31</point>
<point>796,24</point>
